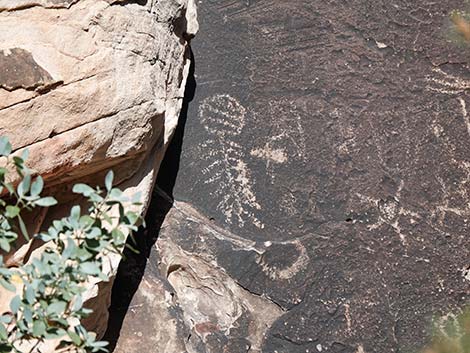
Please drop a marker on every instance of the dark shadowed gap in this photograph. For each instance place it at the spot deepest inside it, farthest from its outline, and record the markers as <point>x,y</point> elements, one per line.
<point>125,2</point>
<point>166,178</point>
<point>131,269</point>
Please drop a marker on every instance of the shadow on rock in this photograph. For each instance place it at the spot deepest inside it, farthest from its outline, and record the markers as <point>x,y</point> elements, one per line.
<point>131,270</point>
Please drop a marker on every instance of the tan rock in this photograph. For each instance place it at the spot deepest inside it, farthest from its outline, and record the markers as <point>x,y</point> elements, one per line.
<point>92,85</point>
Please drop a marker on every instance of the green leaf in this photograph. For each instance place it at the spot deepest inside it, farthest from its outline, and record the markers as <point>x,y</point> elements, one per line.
<point>23,186</point>
<point>5,348</point>
<point>95,232</point>
<point>83,189</point>
<point>115,193</point>
<point>132,217</point>
<point>99,346</point>
<point>39,328</point>
<point>5,245</point>
<point>56,308</point>
<point>54,333</point>
<point>75,212</point>
<point>70,249</point>
<point>21,325</point>
<point>57,226</point>
<point>93,244</point>
<point>46,201</point>
<point>23,228</point>
<point>5,146</point>
<point>108,181</point>
<point>118,235</point>
<point>75,215</point>
<point>12,211</point>
<point>5,319</point>
<point>75,338</point>
<point>86,221</point>
<point>28,315</point>
<point>107,218</point>
<point>95,198</point>
<point>19,163</point>
<point>78,303</point>
<point>15,304</point>
<point>36,186</point>
<point>90,268</point>
<point>3,333</point>
<point>10,188</point>
<point>131,248</point>
<point>25,154</point>
<point>29,295</point>
<point>7,285</point>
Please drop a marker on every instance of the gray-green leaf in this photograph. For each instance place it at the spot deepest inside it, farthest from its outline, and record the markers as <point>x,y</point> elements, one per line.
<point>12,211</point>
<point>39,328</point>
<point>56,308</point>
<point>24,185</point>
<point>46,201</point>
<point>15,304</point>
<point>83,189</point>
<point>36,186</point>
<point>5,146</point>
<point>108,181</point>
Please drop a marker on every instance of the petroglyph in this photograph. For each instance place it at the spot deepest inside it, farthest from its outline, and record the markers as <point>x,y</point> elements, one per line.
<point>449,323</point>
<point>269,154</point>
<point>391,209</point>
<point>347,316</point>
<point>286,134</point>
<point>452,85</point>
<point>389,212</point>
<point>223,117</point>
<point>360,349</point>
<point>465,114</point>
<point>445,207</point>
<point>283,147</point>
<point>290,271</point>
<point>446,83</point>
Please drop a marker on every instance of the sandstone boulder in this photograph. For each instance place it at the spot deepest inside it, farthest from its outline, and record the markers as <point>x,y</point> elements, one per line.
<point>88,86</point>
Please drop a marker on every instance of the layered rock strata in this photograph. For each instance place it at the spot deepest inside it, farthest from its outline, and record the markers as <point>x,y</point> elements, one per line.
<point>88,86</point>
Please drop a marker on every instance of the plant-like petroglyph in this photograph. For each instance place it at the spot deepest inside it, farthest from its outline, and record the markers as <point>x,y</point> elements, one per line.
<point>226,158</point>
<point>223,117</point>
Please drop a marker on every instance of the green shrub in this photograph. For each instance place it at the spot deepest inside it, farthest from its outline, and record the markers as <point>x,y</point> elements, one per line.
<point>451,334</point>
<point>48,304</point>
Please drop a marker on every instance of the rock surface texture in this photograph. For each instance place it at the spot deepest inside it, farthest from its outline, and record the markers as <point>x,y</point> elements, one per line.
<point>322,201</point>
<point>92,85</point>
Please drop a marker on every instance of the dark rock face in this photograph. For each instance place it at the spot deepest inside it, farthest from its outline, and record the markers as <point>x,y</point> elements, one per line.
<point>18,69</point>
<point>327,155</point>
